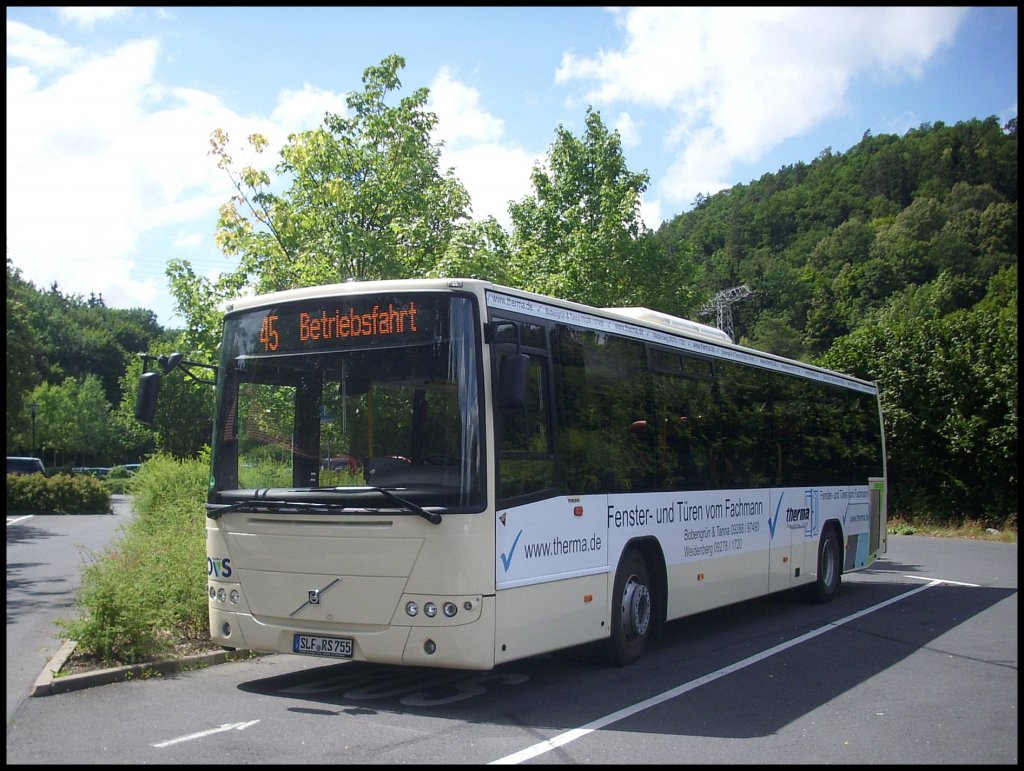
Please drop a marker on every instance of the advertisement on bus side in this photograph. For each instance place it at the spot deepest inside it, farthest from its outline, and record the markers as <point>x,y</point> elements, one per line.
<point>574,536</point>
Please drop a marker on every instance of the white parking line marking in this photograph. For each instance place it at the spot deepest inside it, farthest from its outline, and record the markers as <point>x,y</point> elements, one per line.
<point>19,519</point>
<point>577,733</point>
<point>942,581</point>
<point>199,735</point>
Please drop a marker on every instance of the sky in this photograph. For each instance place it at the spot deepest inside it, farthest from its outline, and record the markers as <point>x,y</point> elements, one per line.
<point>110,110</point>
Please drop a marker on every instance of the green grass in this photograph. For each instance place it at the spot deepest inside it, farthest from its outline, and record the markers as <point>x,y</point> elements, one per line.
<point>974,530</point>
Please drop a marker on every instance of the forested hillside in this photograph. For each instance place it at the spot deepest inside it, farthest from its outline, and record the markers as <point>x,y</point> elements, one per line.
<point>825,243</point>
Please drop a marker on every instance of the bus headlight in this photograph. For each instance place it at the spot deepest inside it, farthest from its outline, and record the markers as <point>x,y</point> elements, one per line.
<point>235,597</point>
<point>450,609</point>
<point>411,608</point>
<point>430,610</point>
<point>221,595</point>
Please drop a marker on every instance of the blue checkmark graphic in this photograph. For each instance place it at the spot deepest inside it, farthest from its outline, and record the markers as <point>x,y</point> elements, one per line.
<point>772,522</point>
<point>506,561</point>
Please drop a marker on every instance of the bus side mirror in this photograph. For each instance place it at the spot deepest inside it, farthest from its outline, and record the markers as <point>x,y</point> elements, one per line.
<point>145,399</point>
<point>512,371</point>
<point>169,362</point>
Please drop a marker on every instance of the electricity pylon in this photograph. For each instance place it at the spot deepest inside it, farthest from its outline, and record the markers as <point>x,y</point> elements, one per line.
<point>720,306</point>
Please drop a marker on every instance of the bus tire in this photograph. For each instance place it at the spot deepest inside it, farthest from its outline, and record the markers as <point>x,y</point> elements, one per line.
<point>829,571</point>
<point>632,610</point>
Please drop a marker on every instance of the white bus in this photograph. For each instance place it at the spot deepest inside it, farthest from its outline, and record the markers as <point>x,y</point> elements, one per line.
<point>451,473</point>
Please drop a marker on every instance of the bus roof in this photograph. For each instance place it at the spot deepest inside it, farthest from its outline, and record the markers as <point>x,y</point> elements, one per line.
<point>673,323</point>
<point>636,315</point>
<point>352,287</point>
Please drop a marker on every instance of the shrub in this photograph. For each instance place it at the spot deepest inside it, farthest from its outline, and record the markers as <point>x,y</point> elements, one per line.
<point>59,494</point>
<point>119,481</point>
<point>150,588</point>
<point>120,625</point>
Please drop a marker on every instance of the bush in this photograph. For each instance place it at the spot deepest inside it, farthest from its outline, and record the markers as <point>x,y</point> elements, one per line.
<point>119,481</point>
<point>120,626</point>
<point>149,589</point>
<point>58,494</point>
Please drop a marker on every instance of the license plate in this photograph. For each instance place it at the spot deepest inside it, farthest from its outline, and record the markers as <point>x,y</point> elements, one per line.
<point>337,647</point>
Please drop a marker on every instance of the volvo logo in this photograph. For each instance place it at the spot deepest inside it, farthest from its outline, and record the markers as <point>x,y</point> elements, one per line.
<point>313,597</point>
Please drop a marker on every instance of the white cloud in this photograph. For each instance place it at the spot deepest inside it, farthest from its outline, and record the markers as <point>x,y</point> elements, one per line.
<point>629,130</point>
<point>492,171</point>
<point>38,49</point>
<point>650,213</point>
<point>97,157</point>
<point>75,195</point>
<point>102,159</point>
<point>739,81</point>
<point>101,156</point>
<point>493,174</point>
<point>89,16</point>
<point>461,119</point>
<point>304,110</point>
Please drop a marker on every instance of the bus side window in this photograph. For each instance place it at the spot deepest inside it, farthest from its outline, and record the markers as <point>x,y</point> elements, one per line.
<point>524,454</point>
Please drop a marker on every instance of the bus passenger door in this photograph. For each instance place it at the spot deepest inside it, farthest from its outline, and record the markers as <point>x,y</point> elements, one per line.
<point>795,533</point>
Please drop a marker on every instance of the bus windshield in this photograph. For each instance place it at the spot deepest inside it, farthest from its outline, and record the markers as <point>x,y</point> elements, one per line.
<point>335,400</point>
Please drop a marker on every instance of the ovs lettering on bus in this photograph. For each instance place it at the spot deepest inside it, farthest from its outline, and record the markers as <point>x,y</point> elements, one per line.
<point>218,567</point>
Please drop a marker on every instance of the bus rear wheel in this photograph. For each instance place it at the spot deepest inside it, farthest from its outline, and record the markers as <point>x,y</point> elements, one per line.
<point>632,613</point>
<point>827,583</point>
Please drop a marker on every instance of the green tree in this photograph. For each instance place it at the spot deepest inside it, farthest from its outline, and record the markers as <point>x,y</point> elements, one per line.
<point>580,235</point>
<point>22,372</point>
<point>76,337</point>
<point>365,199</point>
<point>949,398</point>
<point>180,395</point>
<point>91,430</point>
<point>478,249</point>
<point>73,425</point>
<point>73,345</point>
<point>776,335</point>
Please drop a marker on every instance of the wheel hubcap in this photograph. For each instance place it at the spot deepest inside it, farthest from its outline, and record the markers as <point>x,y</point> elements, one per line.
<point>636,609</point>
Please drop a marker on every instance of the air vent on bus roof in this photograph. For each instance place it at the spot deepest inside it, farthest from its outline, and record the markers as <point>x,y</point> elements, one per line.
<point>672,322</point>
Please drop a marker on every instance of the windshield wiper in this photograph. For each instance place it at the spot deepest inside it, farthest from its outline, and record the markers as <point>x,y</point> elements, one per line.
<point>431,516</point>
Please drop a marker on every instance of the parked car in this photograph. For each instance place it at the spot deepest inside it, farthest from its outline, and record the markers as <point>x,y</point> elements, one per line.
<point>20,465</point>
<point>93,471</point>
<point>342,463</point>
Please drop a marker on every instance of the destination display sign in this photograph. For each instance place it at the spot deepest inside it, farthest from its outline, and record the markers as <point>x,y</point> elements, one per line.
<point>324,324</point>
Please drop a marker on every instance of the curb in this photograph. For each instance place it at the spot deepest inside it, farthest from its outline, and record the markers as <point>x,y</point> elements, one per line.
<point>48,683</point>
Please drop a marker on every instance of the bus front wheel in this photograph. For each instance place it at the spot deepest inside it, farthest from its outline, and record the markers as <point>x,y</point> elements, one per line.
<point>631,610</point>
<point>827,583</point>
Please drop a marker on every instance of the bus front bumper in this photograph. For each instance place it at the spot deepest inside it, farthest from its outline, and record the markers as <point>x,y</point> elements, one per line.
<point>461,646</point>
